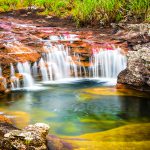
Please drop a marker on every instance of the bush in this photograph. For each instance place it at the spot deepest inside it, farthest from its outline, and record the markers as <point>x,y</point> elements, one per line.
<point>8,4</point>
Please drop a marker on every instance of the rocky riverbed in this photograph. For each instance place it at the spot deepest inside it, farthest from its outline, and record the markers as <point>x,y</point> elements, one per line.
<point>21,39</point>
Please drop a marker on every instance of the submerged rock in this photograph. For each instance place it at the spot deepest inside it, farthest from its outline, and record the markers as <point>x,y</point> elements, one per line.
<point>32,137</point>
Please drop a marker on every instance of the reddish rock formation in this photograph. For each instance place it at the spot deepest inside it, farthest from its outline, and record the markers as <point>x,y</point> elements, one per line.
<point>22,40</point>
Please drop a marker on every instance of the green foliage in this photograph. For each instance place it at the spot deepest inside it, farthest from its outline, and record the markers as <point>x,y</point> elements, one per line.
<point>44,3</point>
<point>84,11</point>
<point>8,4</point>
<point>29,3</point>
<point>59,7</point>
<point>97,10</point>
<point>87,11</point>
<point>139,8</point>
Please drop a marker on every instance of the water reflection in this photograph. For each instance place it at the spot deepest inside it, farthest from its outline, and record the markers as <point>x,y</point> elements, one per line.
<point>135,107</point>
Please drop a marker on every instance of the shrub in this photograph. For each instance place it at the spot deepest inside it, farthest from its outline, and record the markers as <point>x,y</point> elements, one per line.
<point>8,4</point>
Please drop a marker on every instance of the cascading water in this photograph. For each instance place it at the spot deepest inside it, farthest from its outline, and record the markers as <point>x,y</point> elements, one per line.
<point>107,63</point>
<point>15,83</point>
<point>25,70</point>
<point>58,62</point>
<point>35,70</point>
<point>43,69</point>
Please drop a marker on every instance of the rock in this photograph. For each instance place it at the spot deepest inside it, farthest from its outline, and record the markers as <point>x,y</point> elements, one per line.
<point>2,85</point>
<point>132,33</point>
<point>4,119</point>
<point>5,127</point>
<point>32,137</point>
<point>137,73</point>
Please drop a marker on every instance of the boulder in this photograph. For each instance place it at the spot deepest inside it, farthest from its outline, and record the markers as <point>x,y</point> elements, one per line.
<point>137,72</point>
<point>32,137</point>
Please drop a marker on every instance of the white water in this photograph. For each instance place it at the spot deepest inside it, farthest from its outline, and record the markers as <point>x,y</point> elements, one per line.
<point>107,63</point>
<point>14,80</point>
<point>57,64</point>
<point>35,70</point>
<point>15,83</point>
<point>25,70</point>
<point>43,69</point>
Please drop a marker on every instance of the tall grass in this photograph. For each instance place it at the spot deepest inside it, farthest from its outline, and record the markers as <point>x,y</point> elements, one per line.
<point>106,11</point>
<point>84,11</point>
<point>140,8</point>
<point>6,5</point>
<point>87,11</point>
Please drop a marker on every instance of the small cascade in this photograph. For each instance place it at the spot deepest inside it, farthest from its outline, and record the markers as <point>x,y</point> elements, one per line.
<point>15,83</point>
<point>35,70</point>
<point>25,70</point>
<point>12,70</point>
<point>57,63</point>
<point>107,63</point>
<point>43,69</point>
<point>60,62</point>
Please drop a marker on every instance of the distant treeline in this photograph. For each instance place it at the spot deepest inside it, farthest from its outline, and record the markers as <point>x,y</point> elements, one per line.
<point>87,11</point>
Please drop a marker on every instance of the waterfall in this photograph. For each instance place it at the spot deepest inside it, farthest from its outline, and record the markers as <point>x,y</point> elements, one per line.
<point>12,70</point>
<point>43,69</point>
<point>15,83</point>
<point>35,69</point>
<point>58,62</point>
<point>25,70</point>
<point>107,63</point>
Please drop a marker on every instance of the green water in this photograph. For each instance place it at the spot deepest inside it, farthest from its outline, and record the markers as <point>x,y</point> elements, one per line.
<point>69,110</point>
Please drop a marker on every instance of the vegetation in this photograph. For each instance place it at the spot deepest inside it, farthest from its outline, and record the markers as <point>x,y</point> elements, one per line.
<point>133,136</point>
<point>87,11</point>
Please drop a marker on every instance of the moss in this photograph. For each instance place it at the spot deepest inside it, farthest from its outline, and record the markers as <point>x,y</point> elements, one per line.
<point>112,92</point>
<point>19,118</point>
<point>135,137</point>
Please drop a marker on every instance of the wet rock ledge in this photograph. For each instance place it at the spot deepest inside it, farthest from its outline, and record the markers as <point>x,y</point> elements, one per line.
<point>137,73</point>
